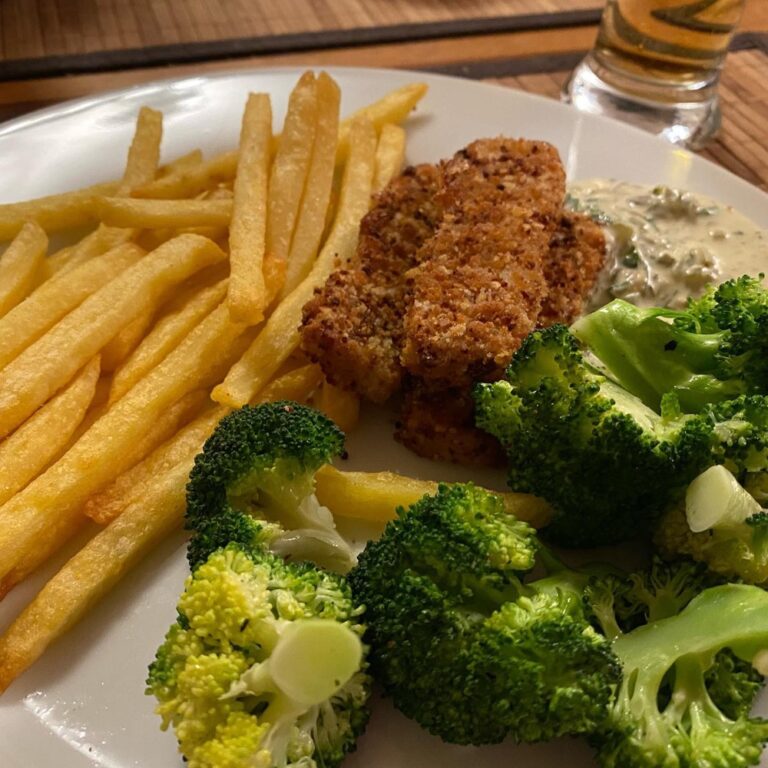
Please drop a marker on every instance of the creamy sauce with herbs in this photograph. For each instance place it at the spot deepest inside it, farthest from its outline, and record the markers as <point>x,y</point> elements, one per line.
<point>664,244</point>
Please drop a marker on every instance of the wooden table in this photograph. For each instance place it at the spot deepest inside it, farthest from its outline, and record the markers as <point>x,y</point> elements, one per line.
<point>52,50</point>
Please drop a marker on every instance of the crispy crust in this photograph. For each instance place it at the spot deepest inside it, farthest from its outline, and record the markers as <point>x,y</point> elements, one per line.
<point>440,426</point>
<point>353,327</point>
<point>480,284</point>
<point>576,256</point>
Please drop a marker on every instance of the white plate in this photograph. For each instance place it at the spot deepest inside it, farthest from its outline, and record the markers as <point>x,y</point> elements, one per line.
<point>83,703</point>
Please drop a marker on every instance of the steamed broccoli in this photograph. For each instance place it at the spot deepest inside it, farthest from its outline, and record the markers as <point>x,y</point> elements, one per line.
<point>461,643</point>
<point>714,350</point>
<point>606,462</point>
<point>722,521</point>
<point>256,470</point>
<point>264,666</point>
<point>619,603</point>
<point>679,702</point>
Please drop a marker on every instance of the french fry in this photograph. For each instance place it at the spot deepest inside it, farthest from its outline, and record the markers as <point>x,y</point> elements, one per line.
<point>41,369</point>
<point>150,512</point>
<point>181,164</point>
<point>280,336</point>
<point>40,311</point>
<point>310,223</point>
<point>339,405</point>
<point>274,276</point>
<point>54,212</point>
<point>20,265</point>
<point>144,152</point>
<point>296,385</point>
<point>375,496</point>
<point>247,293</point>
<point>390,154</point>
<point>44,436</point>
<point>39,519</point>
<point>118,349</point>
<point>165,335</point>
<point>98,242</point>
<point>190,182</point>
<point>134,485</point>
<point>291,165</point>
<point>392,108</point>
<point>158,214</point>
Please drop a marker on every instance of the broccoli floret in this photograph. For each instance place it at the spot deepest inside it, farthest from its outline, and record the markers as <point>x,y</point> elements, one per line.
<point>257,469</point>
<point>461,643</point>
<point>265,665</point>
<point>715,350</point>
<point>671,708</point>
<point>606,462</point>
<point>619,603</point>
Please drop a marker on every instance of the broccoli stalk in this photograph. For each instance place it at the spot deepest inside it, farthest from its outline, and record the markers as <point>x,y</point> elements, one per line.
<point>606,462</point>
<point>664,712</point>
<point>496,657</point>
<point>712,351</point>
<point>254,483</point>
<point>264,666</point>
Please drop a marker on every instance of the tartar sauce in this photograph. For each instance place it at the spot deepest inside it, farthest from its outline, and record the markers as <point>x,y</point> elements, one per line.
<point>665,244</point>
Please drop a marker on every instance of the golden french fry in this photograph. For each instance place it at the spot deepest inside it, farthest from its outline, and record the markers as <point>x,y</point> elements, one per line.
<point>290,166</point>
<point>54,212</point>
<point>44,436</point>
<point>310,224</point>
<point>390,154</point>
<point>157,214</point>
<point>144,152</point>
<point>118,349</point>
<point>165,335</point>
<point>20,265</point>
<point>375,496</point>
<point>247,293</point>
<point>41,369</point>
<point>180,164</point>
<point>339,405</point>
<point>189,182</point>
<point>28,321</point>
<point>40,518</point>
<point>280,336</point>
<point>274,276</point>
<point>135,484</point>
<point>92,572</point>
<point>98,242</point>
<point>392,108</point>
<point>296,385</point>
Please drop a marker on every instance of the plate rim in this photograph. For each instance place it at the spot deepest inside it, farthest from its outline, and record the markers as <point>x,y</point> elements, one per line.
<point>83,103</point>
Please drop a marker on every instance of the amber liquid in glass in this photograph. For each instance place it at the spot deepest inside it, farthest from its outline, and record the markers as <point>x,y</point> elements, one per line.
<point>668,40</point>
<point>656,63</point>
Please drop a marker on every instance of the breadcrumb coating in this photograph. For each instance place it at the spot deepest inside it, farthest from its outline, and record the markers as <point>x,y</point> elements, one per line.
<point>480,284</point>
<point>456,264</point>
<point>441,426</point>
<point>353,326</point>
<point>576,256</point>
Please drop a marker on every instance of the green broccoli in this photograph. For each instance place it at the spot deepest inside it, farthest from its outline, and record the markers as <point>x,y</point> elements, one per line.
<point>721,524</point>
<point>714,350</point>
<point>678,703</point>
<point>619,603</point>
<point>255,477</point>
<point>606,462</point>
<point>457,639</point>
<point>264,666</point>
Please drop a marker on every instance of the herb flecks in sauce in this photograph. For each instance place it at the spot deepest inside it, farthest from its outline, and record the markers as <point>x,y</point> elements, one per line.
<point>664,244</point>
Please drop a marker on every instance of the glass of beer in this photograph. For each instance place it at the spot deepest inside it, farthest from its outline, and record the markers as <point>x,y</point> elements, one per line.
<point>656,64</point>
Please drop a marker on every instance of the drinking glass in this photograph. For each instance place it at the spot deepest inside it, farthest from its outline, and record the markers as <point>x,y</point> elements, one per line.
<point>656,64</point>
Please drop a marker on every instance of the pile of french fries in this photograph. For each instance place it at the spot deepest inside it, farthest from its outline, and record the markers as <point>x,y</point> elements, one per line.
<point>111,346</point>
<point>120,353</point>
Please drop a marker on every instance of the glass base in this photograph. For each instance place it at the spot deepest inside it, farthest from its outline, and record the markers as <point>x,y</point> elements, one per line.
<point>679,119</point>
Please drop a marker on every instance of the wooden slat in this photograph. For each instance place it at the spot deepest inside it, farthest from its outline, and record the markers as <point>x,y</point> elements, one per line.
<point>33,28</point>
